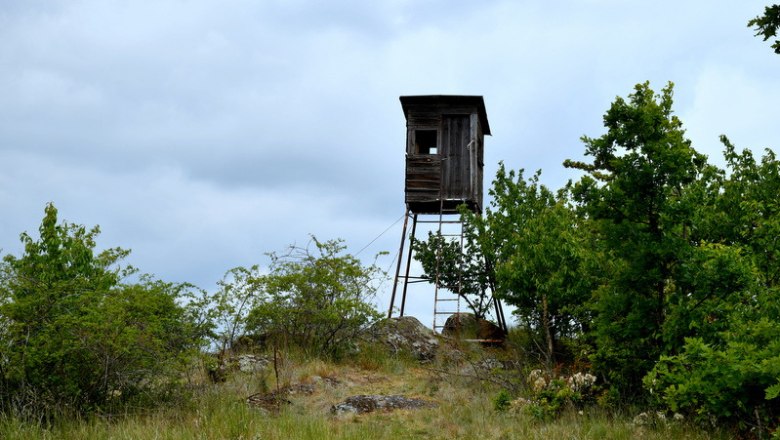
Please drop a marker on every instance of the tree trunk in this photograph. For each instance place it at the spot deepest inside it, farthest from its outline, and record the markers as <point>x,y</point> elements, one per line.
<point>547,332</point>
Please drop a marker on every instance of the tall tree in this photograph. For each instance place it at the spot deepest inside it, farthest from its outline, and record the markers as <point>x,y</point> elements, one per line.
<point>634,193</point>
<point>540,246</point>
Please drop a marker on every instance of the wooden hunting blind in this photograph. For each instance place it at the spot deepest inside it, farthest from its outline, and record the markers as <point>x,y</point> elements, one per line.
<point>444,152</point>
<point>444,169</point>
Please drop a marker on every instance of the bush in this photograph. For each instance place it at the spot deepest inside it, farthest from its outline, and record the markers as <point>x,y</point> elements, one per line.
<point>551,395</point>
<point>502,401</point>
<point>315,299</point>
<point>734,383</point>
<point>73,337</point>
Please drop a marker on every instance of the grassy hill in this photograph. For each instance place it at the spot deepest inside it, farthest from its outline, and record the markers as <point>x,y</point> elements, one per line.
<point>462,389</point>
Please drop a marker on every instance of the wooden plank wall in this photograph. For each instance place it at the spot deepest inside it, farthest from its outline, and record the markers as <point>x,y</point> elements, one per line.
<point>455,137</point>
<point>423,178</point>
<point>456,172</point>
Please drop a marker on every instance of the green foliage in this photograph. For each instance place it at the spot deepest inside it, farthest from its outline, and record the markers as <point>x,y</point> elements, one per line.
<point>767,25</point>
<point>540,250</point>
<point>238,293</point>
<point>726,309</point>
<point>747,211</point>
<point>733,383</point>
<point>732,377</point>
<point>707,285</point>
<point>635,194</point>
<point>316,298</point>
<point>460,267</point>
<point>73,336</point>
<point>502,401</point>
<point>529,249</point>
<point>692,259</point>
<point>551,395</point>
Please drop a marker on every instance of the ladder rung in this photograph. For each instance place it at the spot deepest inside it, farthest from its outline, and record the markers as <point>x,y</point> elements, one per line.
<point>446,299</point>
<point>442,222</point>
<point>444,313</point>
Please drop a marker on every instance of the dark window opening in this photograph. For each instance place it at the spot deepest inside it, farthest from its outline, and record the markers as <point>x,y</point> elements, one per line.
<point>425,142</point>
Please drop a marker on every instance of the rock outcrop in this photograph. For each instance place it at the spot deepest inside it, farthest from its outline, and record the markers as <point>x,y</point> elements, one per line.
<point>407,334</point>
<point>275,400</point>
<point>466,326</point>
<point>362,404</point>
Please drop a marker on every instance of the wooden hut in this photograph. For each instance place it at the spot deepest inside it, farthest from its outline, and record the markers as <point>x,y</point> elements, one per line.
<point>444,152</point>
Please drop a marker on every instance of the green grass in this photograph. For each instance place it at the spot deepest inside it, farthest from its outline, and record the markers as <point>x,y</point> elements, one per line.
<point>465,410</point>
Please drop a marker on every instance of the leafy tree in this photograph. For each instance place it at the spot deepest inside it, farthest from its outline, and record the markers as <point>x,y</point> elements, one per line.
<point>734,381</point>
<point>747,209</point>
<point>767,25</point>
<point>539,245</point>
<point>238,292</point>
<point>317,299</point>
<point>634,193</point>
<point>75,337</point>
<point>727,370</point>
<point>528,249</point>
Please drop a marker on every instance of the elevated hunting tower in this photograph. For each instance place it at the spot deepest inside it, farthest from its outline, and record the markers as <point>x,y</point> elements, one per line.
<point>444,170</point>
<point>444,152</point>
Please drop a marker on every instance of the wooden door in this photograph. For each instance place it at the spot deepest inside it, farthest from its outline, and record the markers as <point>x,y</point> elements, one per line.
<point>456,179</point>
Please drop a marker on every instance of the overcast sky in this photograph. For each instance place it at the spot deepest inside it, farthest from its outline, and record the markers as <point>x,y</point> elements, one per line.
<point>202,134</point>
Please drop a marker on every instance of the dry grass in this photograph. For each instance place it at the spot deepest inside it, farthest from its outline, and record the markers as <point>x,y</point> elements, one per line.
<point>464,411</point>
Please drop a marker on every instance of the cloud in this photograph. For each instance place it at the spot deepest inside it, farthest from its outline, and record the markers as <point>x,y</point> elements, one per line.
<point>202,134</point>
<point>729,100</point>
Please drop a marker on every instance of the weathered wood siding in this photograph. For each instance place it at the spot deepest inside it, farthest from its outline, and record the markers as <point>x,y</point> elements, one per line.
<point>454,175</point>
<point>455,138</point>
<point>478,160</point>
<point>423,178</point>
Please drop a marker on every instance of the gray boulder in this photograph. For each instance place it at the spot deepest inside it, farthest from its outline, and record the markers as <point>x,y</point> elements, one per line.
<point>407,334</point>
<point>369,403</point>
<point>250,363</point>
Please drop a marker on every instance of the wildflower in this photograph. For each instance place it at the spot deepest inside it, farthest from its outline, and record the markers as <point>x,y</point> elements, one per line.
<point>580,381</point>
<point>678,417</point>
<point>537,381</point>
<point>641,419</point>
<point>539,384</point>
<point>518,404</point>
<point>535,374</point>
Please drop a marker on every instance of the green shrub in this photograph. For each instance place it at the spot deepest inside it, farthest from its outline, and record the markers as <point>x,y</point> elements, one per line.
<point>549,396</point>
<point>502,401</point>
<point>735,382</point>
<point>73,337</point>
<point>315,299</point>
